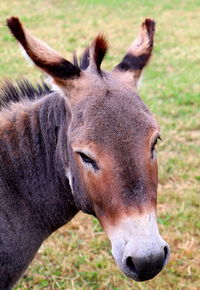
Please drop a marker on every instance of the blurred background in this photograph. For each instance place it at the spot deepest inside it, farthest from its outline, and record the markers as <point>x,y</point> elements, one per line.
<point>78,256</point>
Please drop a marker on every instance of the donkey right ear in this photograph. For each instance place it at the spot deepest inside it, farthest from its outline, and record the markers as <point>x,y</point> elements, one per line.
<point>43,56</point>
<point>138,55</point>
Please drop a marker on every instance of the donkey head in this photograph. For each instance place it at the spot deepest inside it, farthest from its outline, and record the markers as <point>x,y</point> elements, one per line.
<point>111,137</point>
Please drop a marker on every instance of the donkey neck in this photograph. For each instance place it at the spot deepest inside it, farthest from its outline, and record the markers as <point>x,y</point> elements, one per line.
<point>32,169</point>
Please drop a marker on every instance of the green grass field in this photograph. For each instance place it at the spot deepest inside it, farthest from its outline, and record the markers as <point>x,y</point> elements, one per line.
<point>78,255</point>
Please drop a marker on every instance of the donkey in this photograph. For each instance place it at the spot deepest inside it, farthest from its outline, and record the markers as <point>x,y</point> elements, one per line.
<point>87,145</point>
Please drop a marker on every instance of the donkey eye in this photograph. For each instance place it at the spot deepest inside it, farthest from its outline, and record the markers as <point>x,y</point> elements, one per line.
<point>153,148</point>
<point>87,160</point>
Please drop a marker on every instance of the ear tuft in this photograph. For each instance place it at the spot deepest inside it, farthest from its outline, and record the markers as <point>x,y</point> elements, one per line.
<point>100,49</point>
<point>97,52</point>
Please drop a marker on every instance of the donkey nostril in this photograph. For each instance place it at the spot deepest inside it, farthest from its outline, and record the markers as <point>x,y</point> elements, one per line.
<point>130,265</point>
<point>166,251</point>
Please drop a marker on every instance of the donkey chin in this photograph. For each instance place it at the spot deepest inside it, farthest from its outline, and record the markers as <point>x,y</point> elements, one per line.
<point>138,248</point>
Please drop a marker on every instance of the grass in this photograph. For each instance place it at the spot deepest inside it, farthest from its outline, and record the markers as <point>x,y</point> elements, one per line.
<point>78,255</point>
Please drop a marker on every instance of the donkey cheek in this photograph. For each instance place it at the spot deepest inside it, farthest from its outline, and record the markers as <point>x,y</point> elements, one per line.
<point>153,174</point>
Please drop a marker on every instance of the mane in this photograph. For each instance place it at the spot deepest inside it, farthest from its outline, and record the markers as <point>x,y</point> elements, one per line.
<point>100,49</point>
<point>82,62</point>
<point>14,92</point>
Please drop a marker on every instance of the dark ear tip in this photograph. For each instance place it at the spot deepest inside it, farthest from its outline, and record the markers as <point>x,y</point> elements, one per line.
<point>12,22</point>
<point>150,25</point>
<point>149,22</point>
<point>16,28</point>
<point>101,42</point>
<point>150,28</point>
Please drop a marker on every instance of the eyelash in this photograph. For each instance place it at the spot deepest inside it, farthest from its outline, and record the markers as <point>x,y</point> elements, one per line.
<point>88,160</point>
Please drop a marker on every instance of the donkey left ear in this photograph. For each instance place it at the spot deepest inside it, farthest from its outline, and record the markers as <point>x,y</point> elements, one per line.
<point>43,56</point>
<point>138,55</point>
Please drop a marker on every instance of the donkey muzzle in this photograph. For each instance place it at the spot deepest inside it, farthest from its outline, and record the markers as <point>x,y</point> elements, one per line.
<point>138,248</point>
